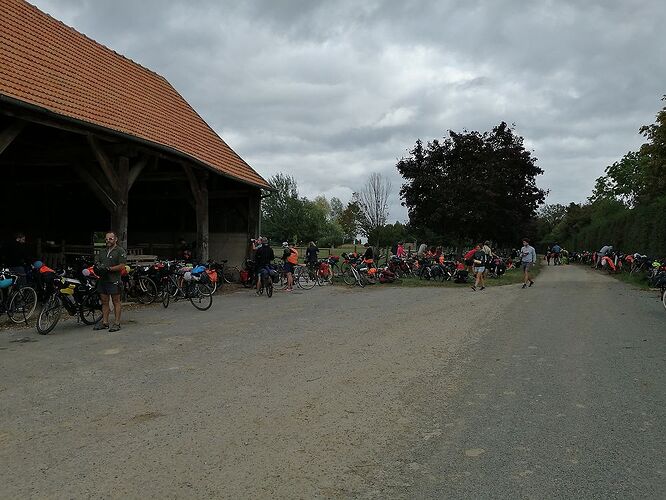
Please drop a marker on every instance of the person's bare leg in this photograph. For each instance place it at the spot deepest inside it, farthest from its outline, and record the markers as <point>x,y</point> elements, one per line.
<point>105,308</point>
<point>116,308</point>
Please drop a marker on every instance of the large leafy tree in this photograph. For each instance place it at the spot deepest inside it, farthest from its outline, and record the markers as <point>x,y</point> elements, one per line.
<point>654,154</point>
<point>472,185</point>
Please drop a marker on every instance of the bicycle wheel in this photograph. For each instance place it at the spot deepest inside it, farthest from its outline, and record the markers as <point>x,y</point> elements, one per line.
<point>22,304</point>
<point>90,311</point>
<point>307,278</point>
<point>348,276</point>
<point>201,296</point>
<point>231,274</point>
<point>49,315</point>
<point>358,279</point>
<point>663,297</point>
<point>166,296</point>
<point>269,288</point>
<point>146,290</point>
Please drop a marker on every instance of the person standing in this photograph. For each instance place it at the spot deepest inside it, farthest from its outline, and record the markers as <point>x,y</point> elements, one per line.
<point>556,250</point>
<point>290,258</point>
<point>489,256</point>
<point>480,260</point>
<point>263,257</point>
<point>109,263</point>
<point>400,251</point>
<point>527,260</point>
<point>311,254</point>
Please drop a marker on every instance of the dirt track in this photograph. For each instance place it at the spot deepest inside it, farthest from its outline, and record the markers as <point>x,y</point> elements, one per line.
<point>315,394</point>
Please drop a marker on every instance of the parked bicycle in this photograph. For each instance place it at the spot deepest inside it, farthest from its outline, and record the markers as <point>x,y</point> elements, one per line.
<point>183,284</point>
<point>78,297</point>
<point>136,284</point>
<point>19,302</point>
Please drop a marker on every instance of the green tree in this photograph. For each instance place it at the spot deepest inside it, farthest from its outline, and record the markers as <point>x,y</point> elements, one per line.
<point>336,208</point>
<point>472,186</point>
<point>654,152</point>
<point>348,221</point>
<point>282,210</point>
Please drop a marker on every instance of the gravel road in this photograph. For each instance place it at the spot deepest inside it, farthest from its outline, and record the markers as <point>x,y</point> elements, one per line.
<point>387,392</point>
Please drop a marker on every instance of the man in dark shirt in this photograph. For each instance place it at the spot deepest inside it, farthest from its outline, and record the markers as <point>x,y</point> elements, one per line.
<point>263,257</point>
<point>110,262</point>
<point>369,252</point>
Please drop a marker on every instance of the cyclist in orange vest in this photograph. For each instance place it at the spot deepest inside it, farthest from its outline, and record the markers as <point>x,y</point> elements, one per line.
<point>290,258</point>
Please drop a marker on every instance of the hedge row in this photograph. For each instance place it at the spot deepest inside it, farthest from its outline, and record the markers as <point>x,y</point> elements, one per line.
<point>642,229</point>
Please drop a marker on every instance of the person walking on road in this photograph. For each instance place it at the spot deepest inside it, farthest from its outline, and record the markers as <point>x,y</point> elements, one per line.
<point>109,263</point>
<point>527,260</point>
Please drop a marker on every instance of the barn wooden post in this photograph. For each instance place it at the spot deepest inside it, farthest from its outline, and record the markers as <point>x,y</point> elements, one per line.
<point>199,185</point>
<point>119,215</point>
<point>112,188</point>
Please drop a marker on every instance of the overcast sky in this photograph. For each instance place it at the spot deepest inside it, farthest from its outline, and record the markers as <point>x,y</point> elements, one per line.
<point>330,91</point>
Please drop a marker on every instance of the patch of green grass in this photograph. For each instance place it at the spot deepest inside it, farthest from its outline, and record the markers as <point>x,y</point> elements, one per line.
<point>511,277</point>
<point>637,280</point>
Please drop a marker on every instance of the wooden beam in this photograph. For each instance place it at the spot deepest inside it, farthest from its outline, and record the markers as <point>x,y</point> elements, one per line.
<point>119,216</point>
<point>102,195</point>
<point>104,161</point>
<point>10,132</point>
<point>138,167</point>
<point>199,186</point>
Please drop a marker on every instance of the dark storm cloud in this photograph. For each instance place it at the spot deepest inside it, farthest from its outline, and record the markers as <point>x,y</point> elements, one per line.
<point>330,91</point>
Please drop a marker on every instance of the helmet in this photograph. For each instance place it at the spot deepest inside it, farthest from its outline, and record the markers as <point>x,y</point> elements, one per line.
<point>187,276</point>
<point>264,239</point>
<point>38,264</point>
<point>285,244</point>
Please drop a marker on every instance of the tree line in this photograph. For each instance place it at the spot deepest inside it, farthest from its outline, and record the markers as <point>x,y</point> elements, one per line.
<point>627,206</point>
<point>467,187</point>
<point>287,216</point>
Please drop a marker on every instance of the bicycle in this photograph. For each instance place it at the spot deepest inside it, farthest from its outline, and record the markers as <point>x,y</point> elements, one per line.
<point>136,284</point>
<point>228,274</point>
<point>184,286</point>
<point>78,297</point>
<point>267,283</point>
<point>19,302</point>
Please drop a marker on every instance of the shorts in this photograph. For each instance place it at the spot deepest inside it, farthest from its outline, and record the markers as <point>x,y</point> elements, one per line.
<point>288,267</point>
<point>526,266</point>
<point>480,269</point>
<point>105,288</point>
<point>264,271</point>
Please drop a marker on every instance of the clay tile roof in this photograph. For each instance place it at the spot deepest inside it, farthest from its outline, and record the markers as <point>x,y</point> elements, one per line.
<point>47,64</point>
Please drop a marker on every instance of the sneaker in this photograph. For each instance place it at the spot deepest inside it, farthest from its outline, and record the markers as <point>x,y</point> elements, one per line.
<point>524,285</point>
<point>257,293</point>
<point>288,289</point>
<point>100,326</point>
<point>483,288</point>
<point>474,288</point>
<point>114,328</point>
<point>531,282</point>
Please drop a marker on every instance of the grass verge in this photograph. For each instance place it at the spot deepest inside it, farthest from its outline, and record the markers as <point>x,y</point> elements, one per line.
<point>511,277</point>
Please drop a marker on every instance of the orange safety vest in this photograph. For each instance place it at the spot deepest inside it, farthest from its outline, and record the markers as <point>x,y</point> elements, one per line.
<point>293,258</point>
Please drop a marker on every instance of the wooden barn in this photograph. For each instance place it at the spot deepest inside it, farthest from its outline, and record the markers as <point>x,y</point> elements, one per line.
<point>90,140</point>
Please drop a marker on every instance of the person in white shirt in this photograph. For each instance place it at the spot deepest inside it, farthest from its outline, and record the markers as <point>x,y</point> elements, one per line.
<point>527,260</point>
